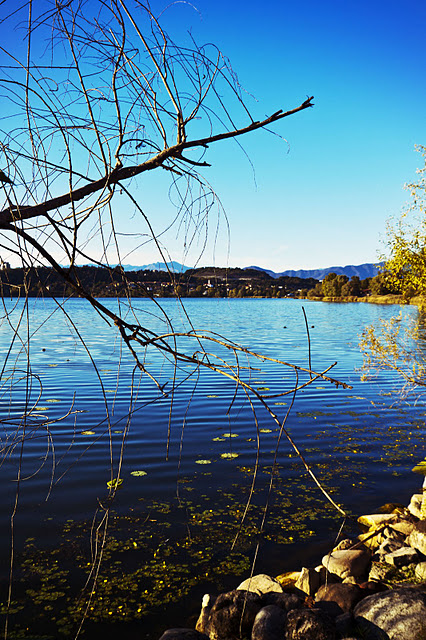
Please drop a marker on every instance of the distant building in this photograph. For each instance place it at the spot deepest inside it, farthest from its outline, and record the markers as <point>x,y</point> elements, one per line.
<point>4,266</point>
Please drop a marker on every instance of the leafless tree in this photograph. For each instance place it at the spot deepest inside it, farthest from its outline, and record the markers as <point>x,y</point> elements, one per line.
<point>101,96</point>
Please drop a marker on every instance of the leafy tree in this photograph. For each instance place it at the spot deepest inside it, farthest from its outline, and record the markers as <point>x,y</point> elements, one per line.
<point>396,344</point>
<point>405,266</point>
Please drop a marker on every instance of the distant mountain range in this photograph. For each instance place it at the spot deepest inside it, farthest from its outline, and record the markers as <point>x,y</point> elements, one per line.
<point>366,270</point>
<point>175,267</point>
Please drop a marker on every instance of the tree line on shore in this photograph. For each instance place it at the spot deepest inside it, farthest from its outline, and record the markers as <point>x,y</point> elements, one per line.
<point>211,282</point>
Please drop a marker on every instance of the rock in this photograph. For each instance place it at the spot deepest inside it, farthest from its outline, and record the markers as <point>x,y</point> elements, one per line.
<point>308,581</point>
<point>417,538</point>
<point>401,557</point>
<point>376,519</point>
<point>344,624</point>
<point>369,541</point>
<point>420,571</point>
<point>399,613</point>
<point>288,580</point>
<point>403,526</point>
<point>372,586</point>
<point>260,584</point>
<point>309,624</point>
<point>336,599</point>
<point>392,507</point>
<point>206,606</point>
<point>380,571</point>
<point>415,505</point>
<point>322,572</point>
<point>183,634</point>
<point>269,624</point>
<point>352,580</point>
<point>232,613</point>
<point>387,546</point>
<point>344,544</point>
<point>286,601</point>
<point>347,563</point>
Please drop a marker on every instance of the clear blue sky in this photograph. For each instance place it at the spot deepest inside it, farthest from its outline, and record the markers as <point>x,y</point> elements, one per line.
<point>325,198</point>
<point>322,197</point>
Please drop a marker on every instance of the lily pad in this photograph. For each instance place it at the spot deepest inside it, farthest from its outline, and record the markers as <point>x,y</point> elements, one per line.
<point>203,462</point>
<point>218,439</point>
<point>229,455</point>
<point>53,400</point>
<point>115,483</point>
<point>138,473</point>
<point>88,433</point>
<point>230,435</point>
<point>265,430</point>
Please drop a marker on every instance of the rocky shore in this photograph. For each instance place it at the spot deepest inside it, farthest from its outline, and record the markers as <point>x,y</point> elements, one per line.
<point>370,588</point>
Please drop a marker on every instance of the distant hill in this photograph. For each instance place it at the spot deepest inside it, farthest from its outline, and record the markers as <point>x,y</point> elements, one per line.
<point>366,270</point>
<point>175,267</point>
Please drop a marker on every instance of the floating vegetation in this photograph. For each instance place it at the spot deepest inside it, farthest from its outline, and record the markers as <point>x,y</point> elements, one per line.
<point>203,462</point>
<point>52,400</point>
<point>230,435</point>
<point>263,389</point>
<point>218,439</point>
<point>88,433</point>
<point>138,474</point>
<point>115,483</point>
<point>212,395</point>
<point>156,554</point>
<point>229,455</point>
<point>280,403</point>
<point>265,430</point>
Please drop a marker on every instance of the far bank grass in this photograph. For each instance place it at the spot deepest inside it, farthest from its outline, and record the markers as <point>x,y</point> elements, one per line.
<point>387,299</point>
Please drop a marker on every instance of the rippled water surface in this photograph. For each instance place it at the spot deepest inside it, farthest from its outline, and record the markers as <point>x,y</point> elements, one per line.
<point>94,417</point>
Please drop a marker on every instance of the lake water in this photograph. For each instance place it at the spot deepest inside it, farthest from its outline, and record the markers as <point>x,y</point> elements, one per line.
<point>187,469</point>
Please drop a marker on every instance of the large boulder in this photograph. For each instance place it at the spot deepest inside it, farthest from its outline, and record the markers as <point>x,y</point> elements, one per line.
<point>337,599</point>
<point>286,601</point>
<point>347,563</point>
<point>399,614</point>
<point>269,624</point>
<point>232,615</point>
<point>309,624</point>
<point>260,584</point>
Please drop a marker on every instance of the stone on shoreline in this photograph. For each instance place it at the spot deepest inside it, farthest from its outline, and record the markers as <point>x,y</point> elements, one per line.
<point>376,519</point>
<point>399,613</point>
<point>260,584</point>
<point>335,599</point>
<point>347,563</point>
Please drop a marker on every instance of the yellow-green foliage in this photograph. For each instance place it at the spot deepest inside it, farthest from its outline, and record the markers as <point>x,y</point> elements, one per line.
<point>406,266</point>
<point>392,344</point>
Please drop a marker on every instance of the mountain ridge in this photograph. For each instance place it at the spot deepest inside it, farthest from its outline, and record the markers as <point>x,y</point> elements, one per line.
<point>365,270</point>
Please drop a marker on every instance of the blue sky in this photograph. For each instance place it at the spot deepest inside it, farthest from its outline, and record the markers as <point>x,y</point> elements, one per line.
<point>324,198</point>
<point>320,194</point>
